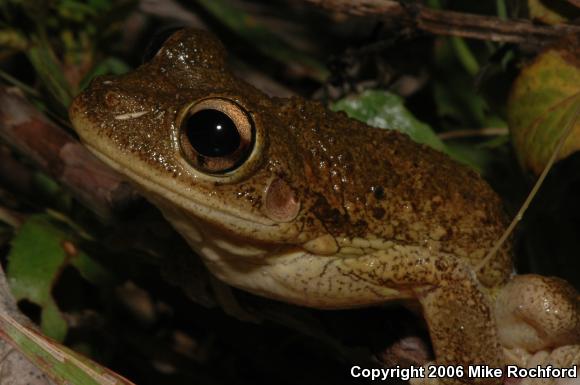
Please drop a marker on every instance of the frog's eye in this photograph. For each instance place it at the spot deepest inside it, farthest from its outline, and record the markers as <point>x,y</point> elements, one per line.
<point>216,135</point>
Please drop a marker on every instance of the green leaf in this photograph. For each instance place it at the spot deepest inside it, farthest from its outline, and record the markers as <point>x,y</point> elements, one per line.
<point>454,90</point>
<point>50,193</point>
<point>92,271</point>
<point>34,263</point>
<point>478,157</point>
<point>40,251</point>
<point>464,55</point>
<point>109,65</point>
<point>75,10</point>
<point>50,71</point>
<point>552,11</point>
<point>12,39</point>
<point>61,364</point>
<point>544,97</point>
<point>386,110</point>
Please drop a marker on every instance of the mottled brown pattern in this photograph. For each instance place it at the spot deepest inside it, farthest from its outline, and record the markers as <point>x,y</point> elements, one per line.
<point>354,179</point>
<point>538,313</point>
<point>326,212</point>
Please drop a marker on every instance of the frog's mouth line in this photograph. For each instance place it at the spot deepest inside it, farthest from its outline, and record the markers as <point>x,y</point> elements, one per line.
<point>204,212</point>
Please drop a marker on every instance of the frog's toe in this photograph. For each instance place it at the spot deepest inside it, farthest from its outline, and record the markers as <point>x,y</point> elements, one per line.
<point>535,313</point>
<point>560,366</point>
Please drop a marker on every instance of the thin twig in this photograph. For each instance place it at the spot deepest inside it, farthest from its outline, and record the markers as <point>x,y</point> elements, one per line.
<point>10,218</point>
<point>459,134</point>
<point>569,127</point>
<point>60,155</point>
<point>451,23</point>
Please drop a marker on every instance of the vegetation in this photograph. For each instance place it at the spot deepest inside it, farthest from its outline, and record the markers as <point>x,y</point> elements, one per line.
<point>100,271</point>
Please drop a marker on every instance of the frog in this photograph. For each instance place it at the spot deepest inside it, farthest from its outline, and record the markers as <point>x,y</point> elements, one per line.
<point>288,200</point>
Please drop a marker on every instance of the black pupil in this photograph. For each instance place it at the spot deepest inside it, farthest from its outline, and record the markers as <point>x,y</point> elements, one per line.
<point>212,133</point>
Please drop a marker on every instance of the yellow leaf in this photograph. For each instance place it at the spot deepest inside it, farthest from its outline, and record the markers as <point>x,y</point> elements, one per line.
<point>544,97</point>
<point>548,12</point>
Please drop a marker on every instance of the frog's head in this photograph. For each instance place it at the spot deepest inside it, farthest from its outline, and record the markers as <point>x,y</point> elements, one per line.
<point>244,176</point>
<point>214,153</point>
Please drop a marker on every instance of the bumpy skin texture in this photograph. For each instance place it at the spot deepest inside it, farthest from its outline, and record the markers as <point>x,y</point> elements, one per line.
<point>351,180</point>
<point>538,313</point>
<point>326,212</point>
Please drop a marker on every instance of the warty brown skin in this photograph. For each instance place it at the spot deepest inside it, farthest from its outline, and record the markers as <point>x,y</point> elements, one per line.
<point>326,211</point>
<point>351,180</point>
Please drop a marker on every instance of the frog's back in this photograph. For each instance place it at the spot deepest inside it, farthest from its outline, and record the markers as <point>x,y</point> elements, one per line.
<point>367,183</point>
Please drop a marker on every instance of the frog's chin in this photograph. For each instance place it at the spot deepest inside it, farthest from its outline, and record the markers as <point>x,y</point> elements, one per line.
<point>283,272</point>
